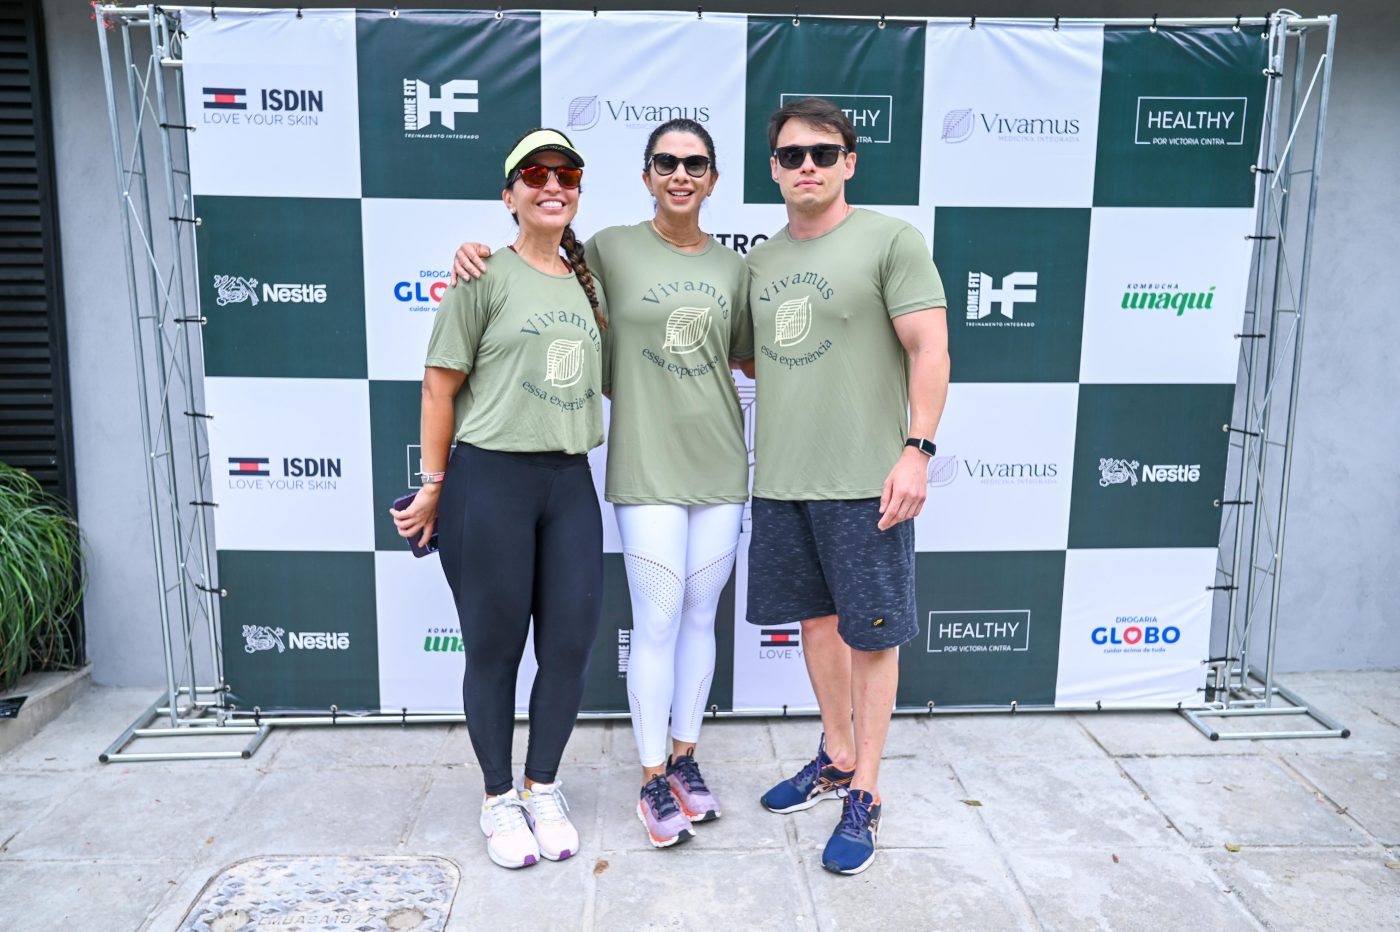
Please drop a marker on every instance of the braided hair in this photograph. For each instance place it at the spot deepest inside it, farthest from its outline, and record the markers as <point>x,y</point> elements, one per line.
<point>573,252</point>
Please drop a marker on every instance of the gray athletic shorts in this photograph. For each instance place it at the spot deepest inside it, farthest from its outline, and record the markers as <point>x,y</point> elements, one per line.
<point>813,558</point>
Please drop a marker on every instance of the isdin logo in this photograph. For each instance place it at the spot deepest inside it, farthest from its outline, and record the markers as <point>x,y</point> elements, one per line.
<point>262,637</point>
<point>420,106</point>
<point>871,115</point>
<point>793,321</point>
<point>1162,297</point>
<point>564,363</point>
<point>983,299</point>
<point>686,329</point>
<point>234,289</point>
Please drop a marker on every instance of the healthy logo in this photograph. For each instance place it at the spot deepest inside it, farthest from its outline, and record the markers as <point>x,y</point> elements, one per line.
<point>872,115</point>
<point>1159,297</point>
<point>261,637</point>
<point>979,632</point>
<point>234,289</point>
<point>686,329</point>
<point>583,113</point>
<point>420,106</point>
<point>564,363</point>
<point>982,298</point>
<point>793,321</point>
<point>1190,121</point>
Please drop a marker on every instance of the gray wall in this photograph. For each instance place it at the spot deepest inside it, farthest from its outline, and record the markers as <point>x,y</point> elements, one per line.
<point>1342,562</point>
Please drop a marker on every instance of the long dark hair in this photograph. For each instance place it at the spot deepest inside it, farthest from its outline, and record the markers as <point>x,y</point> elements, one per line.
<point>680,125</point>
<point>573,249</point>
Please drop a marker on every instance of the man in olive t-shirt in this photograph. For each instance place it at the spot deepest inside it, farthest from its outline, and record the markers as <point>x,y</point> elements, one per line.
<point>851,353</point>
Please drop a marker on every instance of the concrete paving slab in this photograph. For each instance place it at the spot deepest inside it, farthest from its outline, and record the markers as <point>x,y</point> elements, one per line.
<point>546,896</point>
<point>1157,734</point>
<point>42,896</point>
<point>316,747</point>
<point>333,811</point>
<point>1367,786</point>
<point>84,730</point>
<point>448,822</point>
<point>721,739</point>
<point>695,889</point>
<point>922,808</point>
<point>26,797</point>
<point>588,745</point>
<point>1137,890</point>
<point>1039,735</point>
<point>47,694</point>
<point>1252,802</point>
<point>958,891</point>
<point>1323,890</point>
<point>910,736</point>
<point>1071,803</point>
<point>136,815</point>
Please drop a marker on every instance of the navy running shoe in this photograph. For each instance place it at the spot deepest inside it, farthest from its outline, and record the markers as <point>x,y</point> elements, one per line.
<point>817,781</point>
<point>852,846</point>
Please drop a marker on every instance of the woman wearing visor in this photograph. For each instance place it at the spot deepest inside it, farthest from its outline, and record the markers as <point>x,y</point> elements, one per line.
<point>677,470</point>
<point>514,374</point>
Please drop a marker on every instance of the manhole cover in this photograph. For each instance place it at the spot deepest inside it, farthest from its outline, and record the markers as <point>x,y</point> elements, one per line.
<point>302,894</point>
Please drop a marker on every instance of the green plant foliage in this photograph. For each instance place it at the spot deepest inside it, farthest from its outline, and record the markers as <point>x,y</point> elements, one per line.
<point>41,577</point>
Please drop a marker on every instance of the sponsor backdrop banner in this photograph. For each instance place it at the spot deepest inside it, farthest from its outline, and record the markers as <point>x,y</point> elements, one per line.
<point>1085,192</point>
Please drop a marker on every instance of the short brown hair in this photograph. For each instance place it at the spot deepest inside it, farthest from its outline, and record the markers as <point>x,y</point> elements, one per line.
<point>815,112</point>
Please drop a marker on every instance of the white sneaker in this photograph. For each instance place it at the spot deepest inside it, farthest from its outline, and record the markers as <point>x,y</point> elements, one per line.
<point>547,810</point>
<point>509,841</point>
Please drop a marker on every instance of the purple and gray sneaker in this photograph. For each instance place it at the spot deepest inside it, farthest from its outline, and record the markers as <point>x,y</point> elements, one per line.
<point>661,814</point>
<point>696,799</point>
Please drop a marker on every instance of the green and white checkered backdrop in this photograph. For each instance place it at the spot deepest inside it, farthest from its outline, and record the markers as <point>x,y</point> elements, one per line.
<point>1086,192</point>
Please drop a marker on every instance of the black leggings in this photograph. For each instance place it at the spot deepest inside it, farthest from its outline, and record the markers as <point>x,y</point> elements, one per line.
<point>520,534</point>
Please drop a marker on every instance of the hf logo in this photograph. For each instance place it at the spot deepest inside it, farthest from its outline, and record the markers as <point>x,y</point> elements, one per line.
<point>983,298</point>
<point>420,106</point>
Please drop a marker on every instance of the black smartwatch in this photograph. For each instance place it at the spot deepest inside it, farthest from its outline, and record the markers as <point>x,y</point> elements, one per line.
<point>926,447</point>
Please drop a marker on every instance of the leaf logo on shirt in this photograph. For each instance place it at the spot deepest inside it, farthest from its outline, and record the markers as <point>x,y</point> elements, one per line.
<point>686,329</point>
<point>793,321</point>
<point>564,363</point>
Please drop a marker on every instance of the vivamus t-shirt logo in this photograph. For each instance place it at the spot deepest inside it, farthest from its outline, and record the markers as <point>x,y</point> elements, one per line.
<point>564,363</point>
<point>793,321</point>
<point>686,330</point>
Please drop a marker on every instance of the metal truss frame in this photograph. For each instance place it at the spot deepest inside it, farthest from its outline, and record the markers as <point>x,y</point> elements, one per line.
<point>1242,682</point>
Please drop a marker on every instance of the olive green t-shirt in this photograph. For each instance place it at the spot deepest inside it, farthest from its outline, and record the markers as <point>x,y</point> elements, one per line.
<point>675,434</point>
<point>832,376</point>
<point>533,352</point>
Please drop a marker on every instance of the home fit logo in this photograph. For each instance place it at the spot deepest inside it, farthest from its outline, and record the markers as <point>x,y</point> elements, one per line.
<point>1130,472</point>
<point>1190,121</point>
<point>962,125</point>
<point>945,470</point>
<point>1139,296</point>
<point>585,112</point>
<point>258,638</point>
<point>294,473</point>
<point>871,115</point>
<point>229,106</point>
<point>236,289</point>
<point>979,632</point>
<point>983,299</point>
<point>779,643</point>
<point>422,108</point>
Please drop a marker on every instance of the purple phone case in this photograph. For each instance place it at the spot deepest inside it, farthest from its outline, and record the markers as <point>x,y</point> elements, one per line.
<point>402,502</point>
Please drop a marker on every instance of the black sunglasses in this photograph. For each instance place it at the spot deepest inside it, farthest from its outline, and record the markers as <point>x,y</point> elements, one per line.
<point>666,164</point>
<point>824,155</point>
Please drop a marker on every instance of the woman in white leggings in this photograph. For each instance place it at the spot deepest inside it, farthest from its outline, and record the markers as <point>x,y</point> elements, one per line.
<point>677,471</point>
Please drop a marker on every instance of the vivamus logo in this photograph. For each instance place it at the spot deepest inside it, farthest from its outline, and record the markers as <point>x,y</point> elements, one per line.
<point>258,638</point>
<point>871,115</point>
<point>793,321</point>
<point>237,289</point>
<point>960,126</point>
<point>686,330</point>
<point>564,363</point>
<point>1117,471</point>
<point>585,112</point>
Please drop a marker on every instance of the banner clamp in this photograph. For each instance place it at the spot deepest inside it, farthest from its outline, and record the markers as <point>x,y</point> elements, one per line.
<point>1209,588</point>
<point>1236,27</point>
<point>212,14</point>
<point>221,593</point>
<point>192,320</point>
<point>177,126</point>
<point>1258,236</point>
<point>881,23</point>
<point>200,504</point>
<point>796,16</point>
<point>1056,27</point>
<point>199,414</point>
<point>699,12</point>
<point>973,24</point>
<point>1153,27</point>
<point>1250,336</point>
<point>195,220</point>
<point>1238,430</point>
<point>1232,501</point>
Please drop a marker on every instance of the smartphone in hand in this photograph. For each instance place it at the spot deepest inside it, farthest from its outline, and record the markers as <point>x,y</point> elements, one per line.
<point>400,504</point>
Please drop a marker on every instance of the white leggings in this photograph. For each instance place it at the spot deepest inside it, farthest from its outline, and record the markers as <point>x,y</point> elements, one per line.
<point>678,560</point>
